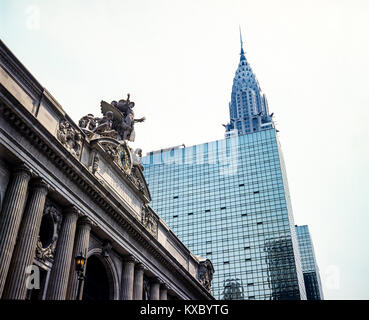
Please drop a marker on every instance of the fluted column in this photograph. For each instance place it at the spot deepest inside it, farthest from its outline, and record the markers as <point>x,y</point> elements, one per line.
<point>81,244</point>
<point>127,277</point>
<point>10,218</point>
<point>138,282</point>
<point>163,292</point>
<point>58,282</point>
<point>24,251</point>
<point>155,289</point>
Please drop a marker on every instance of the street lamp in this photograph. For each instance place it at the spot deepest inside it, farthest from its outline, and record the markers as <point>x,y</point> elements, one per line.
<point>80,262</point>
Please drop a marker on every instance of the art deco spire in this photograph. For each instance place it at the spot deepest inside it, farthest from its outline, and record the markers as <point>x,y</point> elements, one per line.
<point>242,52</point>
<point>248,107</point>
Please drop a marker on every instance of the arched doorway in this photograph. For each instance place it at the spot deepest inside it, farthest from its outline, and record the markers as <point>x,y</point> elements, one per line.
<point>96,285</point>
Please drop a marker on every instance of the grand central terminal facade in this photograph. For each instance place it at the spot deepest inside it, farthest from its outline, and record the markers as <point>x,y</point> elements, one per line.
<point>76,189</point>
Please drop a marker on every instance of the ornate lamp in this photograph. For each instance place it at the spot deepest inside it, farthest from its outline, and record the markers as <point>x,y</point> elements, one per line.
<point>80,263</point>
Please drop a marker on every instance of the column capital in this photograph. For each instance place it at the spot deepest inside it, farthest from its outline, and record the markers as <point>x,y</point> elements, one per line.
<point>23,170</point>
<point>72,210</point>
<point>156,279</point>
<point>139,266</point>
<point>164,286</point>
<point>84,221</point>
<point>39,183</point>
<point>129,258</point>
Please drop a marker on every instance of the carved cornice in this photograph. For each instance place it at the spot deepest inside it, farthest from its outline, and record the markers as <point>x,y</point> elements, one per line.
<point>19,72</point>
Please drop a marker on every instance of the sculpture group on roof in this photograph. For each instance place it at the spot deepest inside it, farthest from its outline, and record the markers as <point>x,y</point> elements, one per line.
<point>113,130</point>
<point>117,122</point>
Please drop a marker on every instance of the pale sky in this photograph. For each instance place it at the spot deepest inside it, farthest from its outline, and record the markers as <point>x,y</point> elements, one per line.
<point>177,59</point>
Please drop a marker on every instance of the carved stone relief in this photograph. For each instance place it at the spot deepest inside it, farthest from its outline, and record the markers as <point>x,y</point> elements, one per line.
<point>149,220</point>
<point>50,227</point>
<point>205,273</point>
<point>70,137</point>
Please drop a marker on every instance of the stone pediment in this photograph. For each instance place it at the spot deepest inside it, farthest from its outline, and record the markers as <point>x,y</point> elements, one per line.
<point>123,158</point>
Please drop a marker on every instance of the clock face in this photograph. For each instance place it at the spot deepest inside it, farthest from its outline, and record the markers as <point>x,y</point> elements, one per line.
<point>125,159</point>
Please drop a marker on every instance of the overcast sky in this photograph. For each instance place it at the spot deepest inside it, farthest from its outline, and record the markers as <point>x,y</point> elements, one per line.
<point>177,59</point>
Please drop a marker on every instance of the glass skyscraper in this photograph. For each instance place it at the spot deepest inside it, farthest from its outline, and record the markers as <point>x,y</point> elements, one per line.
<point>228,201</point>
<point>310,268</point>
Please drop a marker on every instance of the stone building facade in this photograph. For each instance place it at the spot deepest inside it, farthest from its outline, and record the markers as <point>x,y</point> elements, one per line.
<point>65,190</point>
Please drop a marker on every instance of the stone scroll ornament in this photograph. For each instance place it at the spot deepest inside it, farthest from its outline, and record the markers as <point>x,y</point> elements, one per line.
<point>45,248</point>
<point>70,137</point>
<point>205,273</point>
<point>149,220</point>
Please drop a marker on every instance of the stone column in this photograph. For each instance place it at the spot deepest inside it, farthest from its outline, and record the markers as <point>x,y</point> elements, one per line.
<point>24,251</point>
<point>81,244</point>
<point>155,289</point>
<point>127,277</point>
<point>163,292</point>
<point>138,282</point>
<point>10,218</point>
<point>58,281</point>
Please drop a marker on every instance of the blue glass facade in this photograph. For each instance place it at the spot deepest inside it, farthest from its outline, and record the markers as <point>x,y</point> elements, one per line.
<point>310,268</point>
<point>228,201</point>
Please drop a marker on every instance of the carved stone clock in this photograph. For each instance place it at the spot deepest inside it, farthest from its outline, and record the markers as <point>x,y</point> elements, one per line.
<point>125,158</point>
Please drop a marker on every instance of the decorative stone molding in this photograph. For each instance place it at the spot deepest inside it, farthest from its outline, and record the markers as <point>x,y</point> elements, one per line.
<point>149,220</point>
<point>95,164</point>
<point>70,137</point>
<point>205,273</point>
<point>46,251</point>
<point>106,248</point>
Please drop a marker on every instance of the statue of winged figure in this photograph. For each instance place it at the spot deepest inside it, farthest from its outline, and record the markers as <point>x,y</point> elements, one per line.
<point>122,116</point>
